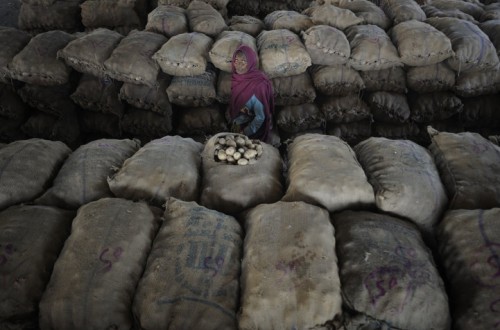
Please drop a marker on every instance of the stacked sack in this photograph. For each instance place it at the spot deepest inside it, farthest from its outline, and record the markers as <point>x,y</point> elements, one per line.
<point>46,15</point>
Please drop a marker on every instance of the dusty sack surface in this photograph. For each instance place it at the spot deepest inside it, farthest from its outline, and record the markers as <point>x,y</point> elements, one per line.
<point>13,41</point>
<point>326,45</point>
<point>293,90</point>
<point>289,274</point>
<point>338,80</point>
<point>431,78</point>
<point>221,54</point>
<point>388,80</point>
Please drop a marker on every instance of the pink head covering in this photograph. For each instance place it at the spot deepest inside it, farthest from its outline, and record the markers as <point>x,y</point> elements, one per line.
<point>253,82</point>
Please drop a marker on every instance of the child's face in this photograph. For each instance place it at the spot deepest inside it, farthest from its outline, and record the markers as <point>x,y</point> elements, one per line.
<point>240,63</point>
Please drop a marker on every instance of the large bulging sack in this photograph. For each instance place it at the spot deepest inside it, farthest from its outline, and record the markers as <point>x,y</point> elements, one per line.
<point>194,91</point>
<point>405,180</point>
<point>337,80</point>
<point>61,15</point>
<point>245,23</point>
<point>167,20</point>
<point>293,90</point>
<point>369,11</point>
<point>429,107</point>
<point>232,188</point>
<point>166,167</point>
<point>431,78</point>
<point>191,280</point>
<point>13,41</point>
<point>389,107</point>
<point>469,165</point>
<point>468,246</point>
<point>150,98</point>
<point>289,20</point>
<point>297,118</point>
<point>289,274</point>
<point>83,176</point>
<point>314,178</point>
<point>472,84</point>
<point>94,278</point>
<point>388,276</point>
<point>28,166</point>
<point>202,121</point>
<point>345,109</point>
<point>328,14</point>
<point>221,54</point>
<point>203,18</point>
<point>146,124</point>
<point>402,10</point>
<point>326,45</point>
<point>388,80</point>
<point>31,238</point>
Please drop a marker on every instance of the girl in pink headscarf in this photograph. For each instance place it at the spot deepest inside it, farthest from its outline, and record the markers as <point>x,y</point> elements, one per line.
<point>252,99</point>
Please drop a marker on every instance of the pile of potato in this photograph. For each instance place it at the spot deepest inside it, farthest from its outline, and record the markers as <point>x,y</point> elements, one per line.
<point>237,149</point>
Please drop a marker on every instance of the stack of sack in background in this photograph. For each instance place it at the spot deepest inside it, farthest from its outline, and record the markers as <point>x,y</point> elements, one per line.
<point>46,15</point>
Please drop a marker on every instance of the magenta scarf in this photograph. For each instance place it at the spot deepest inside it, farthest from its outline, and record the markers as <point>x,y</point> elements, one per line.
<point>253,82</point>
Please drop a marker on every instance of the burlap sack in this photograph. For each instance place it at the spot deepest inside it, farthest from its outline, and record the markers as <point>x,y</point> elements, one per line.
<point>221,54</point>
<point>289,274</point>
<point>481,111</point>
<point>88,53</point>
<point>31,238</point>
<point>37,63</point>
<point>185,54</point>
<point>282,53</point>
<point>11,105</point>
<point>146,123</point>
<point>406,131</point>
<point>289,20</point>
<point>337,80</point>
<point>167,20</point>
<point>201,121</point>
<point>245,23</point>
<point>231,188</point>
<point>431,78</point>
<point>178,3</point>
<point>388,80</point>
<point>345,109</point>
<point>371,48</point>
<point>434,106</point>
<point>469,165</point>
<point>431,11</point>
<point>224,87</point>
<point>326,45</point>
<point>491,12</point>
<point>100,124</point>
<point>389,107</point>
<point>353,132</point>
<point>94,278</point>
<point>473,49</point>
<point>194,91</point>
<point>166,167</point>
<point>13,41</point>
<point>61,15</point>
<point>96,94</point>
<point>138,48</point>
<point>82,178</point>
<point>474,9</point>
<point>405,180</point>
<point>420,44</point>
<point>389,278</point>
<point>150,98</point>
<point>192,276</point>
<point>328,14</point>
<point>313,178</point>
<point>492,30</point>
<point>203,18</point>
<point>293,90</point>
<point>297,118</point>
<point>112,13</point>
<point>367,10</point>
<point>53,100</point>
<point>28,166</point>
<point>39,125</point>
<point>468,246</point>
<point>400,11</point>
<point>495,139</point>
<point>38,2</point>
<point>470,84</point>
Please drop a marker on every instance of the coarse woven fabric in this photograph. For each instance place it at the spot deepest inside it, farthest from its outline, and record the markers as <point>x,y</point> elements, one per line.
<point>11,105</point>
<point>491,12</point>
<point>430,78</point>
<point>293,90</point>
<point>289,20</point>
<point>96,274</point>
<point>420,44</point>
<point>371,48</point>
<point>431,11</point>
<point>337,80</point>
<point>31,238</point>
<point>289,274</point>
<point>429,107</point>
<point>201,121</point>
<point>245,23</point>
<point>353,132</point>
<point>132,62</point>
<point>326,45</point>
<point>468,7</point>
<point>314,179</point>
<point>61,15</point>
<point>231,188</point>
<point>194,91</point>
<point>406,131</point>
<point>282,53</point>
<point>28,166</point>
<point>345,109</point>
<point>39,125</point>
<point>405,180</point>
<point>146,123</point>
<point>468,247</point>
<point>469,165</point>
<point>203,18</point>
<point>166,167</point>
<point>185,54</point>
<point>192,275</point>
<point>492,30</point>
<point>37,63</point>
<point>13,41</point>
<point>99,94</point>
<point>222,51</point>
<point>53,100</point>
<point>472,47</point>
<point>388,276</point>
<point>328,14</point>
<point>149,98</point>
<point>471,84</point>
<point>223,89</point>
<point>88,53</point>
<point>400,11</point>
<point>388,80</point>
<point>297,118</point>
<point>167,20</point>
<point>113,13</point>
<point>369,11</point>
<point>83,176</point>
<point>389,107</point>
